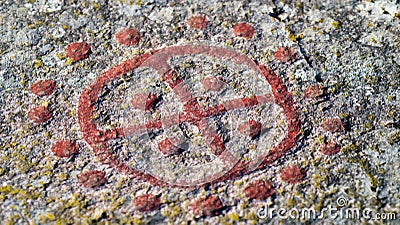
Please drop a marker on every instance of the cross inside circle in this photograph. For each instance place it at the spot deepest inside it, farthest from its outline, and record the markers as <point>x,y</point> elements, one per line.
<point>227,161</point>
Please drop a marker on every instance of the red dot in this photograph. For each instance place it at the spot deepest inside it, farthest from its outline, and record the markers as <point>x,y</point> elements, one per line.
<point>293,174</point>
<point>333,125</point>
<point>147,202</point>
<point>65,148</point>
<point>198,22</point>
<point>330,148</point>
<point>285,54</point>
<point>243,30</point>
<point>43,87</point>
<point>92,179</point>
<point>250,128</point>
<point>167,147</point>
<point>217,145</point>
<point>206,206</point>
<point>40,114</point>
<point>212,83</point>
<point>145,101</point>
<point>314,91</point>
<point>129,37</point>
<point>78,51</point>
<point>259,190</point>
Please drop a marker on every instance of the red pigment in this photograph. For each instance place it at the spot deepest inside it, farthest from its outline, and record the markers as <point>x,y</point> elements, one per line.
<point>293,174</point>
<point>147,202</point>
<point>129,37</point>
<point>167,147</point>
<point>92,179</point>
<point>212,83</point>
<point>314,91</point>
<point>65,148</point>
<point>251,128</point>
<point>43,87</point>
<point>333,125</point>
<point>259,190</point>
<point>330,148</point>
<point>78,51</point>
<point>98,139</point>
<point>145,101</point>
<point>217,145</point>
<point>206,206</point>
<point>40,114</point>
<point>243,30</point>
<point>285,54</point>
<point>198,22</point>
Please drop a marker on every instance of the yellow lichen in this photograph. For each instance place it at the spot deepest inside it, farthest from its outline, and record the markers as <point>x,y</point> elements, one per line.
<point>69,61</point>
<point>394,138</point>
<point>336,24</point>
<point>61,56</point>
<point>38,63</point>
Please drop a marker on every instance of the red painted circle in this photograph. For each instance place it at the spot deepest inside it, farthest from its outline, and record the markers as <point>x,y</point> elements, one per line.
<point>98,139</point>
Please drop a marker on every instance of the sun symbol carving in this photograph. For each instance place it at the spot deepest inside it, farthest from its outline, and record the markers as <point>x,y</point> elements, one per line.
<point>185,116</point>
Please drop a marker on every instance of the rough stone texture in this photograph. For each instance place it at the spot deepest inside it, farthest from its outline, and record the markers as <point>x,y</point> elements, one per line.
<point>351,48</point>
